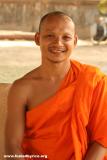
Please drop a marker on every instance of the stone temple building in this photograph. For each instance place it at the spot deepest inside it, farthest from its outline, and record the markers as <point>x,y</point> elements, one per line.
<point>24,15</point>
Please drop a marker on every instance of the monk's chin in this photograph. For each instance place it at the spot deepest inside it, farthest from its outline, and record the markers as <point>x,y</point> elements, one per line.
<point>56,60</point>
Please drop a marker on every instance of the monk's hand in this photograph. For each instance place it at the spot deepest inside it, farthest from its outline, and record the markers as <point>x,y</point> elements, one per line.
<point>96,152</point>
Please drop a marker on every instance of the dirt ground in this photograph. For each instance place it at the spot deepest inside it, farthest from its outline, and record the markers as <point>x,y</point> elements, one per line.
<point>19,57</point>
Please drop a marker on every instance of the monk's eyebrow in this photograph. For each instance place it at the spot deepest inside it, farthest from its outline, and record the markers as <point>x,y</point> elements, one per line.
<point>65,33</point>
<point>68,34</point>
<point>50,31</point>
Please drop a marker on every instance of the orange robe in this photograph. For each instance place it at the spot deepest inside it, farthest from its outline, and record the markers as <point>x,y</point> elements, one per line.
<point>63,126</point>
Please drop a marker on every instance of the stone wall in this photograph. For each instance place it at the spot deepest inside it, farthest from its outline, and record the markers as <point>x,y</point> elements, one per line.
<point>25,15</point>
<point>82,13</point>
<point>19,15</point>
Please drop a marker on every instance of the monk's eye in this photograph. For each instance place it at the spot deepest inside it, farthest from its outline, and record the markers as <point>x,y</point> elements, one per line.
<point>67,38</point>
<point>50,36</point>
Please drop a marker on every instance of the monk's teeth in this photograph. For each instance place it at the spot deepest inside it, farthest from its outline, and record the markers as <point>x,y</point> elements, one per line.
<point>56,51</point>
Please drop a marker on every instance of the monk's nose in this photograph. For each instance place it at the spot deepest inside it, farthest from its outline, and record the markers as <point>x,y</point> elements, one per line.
<point>58,41</point>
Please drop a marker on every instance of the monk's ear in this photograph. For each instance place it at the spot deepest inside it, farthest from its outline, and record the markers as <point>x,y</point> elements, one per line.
<point>75,39</point>
<point>37,38</point>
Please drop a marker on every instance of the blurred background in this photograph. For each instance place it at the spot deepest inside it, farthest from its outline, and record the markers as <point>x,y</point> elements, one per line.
<point>19,20</point>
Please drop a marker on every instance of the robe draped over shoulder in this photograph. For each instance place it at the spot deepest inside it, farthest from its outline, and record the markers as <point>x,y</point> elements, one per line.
<point>63,126</point>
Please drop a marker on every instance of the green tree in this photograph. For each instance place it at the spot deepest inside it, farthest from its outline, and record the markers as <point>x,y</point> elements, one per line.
<point>102,6</point>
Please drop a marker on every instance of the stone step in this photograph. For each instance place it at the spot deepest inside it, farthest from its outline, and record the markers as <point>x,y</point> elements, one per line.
<point>16,35</point>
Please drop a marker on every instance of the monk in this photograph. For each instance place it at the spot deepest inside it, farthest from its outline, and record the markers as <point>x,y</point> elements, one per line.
<point>58,111</point>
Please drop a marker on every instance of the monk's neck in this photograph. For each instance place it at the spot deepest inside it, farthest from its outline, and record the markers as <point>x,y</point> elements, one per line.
<point>55,70</point>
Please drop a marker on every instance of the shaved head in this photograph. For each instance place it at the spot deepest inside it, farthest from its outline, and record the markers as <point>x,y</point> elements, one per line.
<point>55,14</point>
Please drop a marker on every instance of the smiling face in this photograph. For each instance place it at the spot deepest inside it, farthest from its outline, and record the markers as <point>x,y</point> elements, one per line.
<point>56,38</point>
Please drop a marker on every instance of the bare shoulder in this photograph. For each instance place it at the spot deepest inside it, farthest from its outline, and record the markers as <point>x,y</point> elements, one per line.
<point>29,77</point>
<point>34,74</point>
<point>24,84</point>
<point>20,91</point>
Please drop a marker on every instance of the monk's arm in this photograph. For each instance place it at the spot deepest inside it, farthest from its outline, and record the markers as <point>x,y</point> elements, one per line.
<point>96,152</point>
<point>15,123</point>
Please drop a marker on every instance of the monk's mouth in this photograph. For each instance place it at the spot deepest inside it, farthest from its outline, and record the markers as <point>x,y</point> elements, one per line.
<point>57,50</point>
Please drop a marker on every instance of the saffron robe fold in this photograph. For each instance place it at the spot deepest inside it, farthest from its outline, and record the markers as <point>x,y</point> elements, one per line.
<point>63,126</point>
